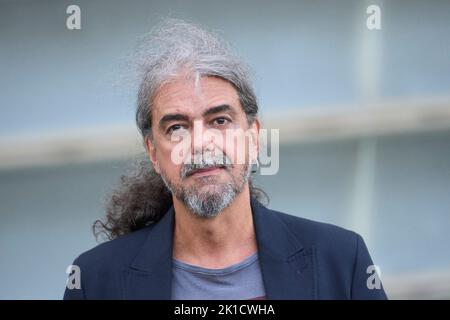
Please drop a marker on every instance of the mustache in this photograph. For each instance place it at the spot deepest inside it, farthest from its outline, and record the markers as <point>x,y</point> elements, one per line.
<point>207,161</point>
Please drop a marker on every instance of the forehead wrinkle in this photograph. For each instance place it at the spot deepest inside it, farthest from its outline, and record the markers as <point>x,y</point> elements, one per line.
<point>198,96</point>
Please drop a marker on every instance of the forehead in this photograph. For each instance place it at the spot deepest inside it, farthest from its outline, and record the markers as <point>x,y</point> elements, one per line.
<point>192,96</point>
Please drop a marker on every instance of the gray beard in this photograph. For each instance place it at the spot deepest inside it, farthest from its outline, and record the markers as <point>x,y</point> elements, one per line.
<point>209,204</point>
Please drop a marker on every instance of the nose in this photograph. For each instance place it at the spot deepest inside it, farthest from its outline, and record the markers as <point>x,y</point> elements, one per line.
<point>204,140</point>
<point>197,137</point>
<point>199,142</point>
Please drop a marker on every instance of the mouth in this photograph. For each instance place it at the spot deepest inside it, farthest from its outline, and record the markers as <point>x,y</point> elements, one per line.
<point>206,171</point>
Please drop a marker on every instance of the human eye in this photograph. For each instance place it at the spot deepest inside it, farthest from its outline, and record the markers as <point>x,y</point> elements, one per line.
<point>220,121</point>
<point>176,128</point>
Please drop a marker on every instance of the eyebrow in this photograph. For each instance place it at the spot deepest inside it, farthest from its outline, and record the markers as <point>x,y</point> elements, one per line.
<point>172,117</point>
<point>182,117</point>
<point>217,109</point>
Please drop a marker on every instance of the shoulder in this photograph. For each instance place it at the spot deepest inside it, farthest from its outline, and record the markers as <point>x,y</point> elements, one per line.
<point>340,255</point>
<point>118,252</point>
<point>310,230</point>
<point>100,267</point>
<point>326,238</point>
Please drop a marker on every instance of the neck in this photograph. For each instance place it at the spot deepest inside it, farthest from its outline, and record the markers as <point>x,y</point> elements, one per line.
<point>215,242</point>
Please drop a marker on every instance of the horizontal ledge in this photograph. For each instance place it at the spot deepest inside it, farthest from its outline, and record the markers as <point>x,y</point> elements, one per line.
<point>298,126</point>
<point>433,284</point>
<point>388,118</point>
<point>75,146</point>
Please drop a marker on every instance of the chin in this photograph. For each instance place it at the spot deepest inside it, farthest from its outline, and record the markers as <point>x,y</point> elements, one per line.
<point>210,189</point>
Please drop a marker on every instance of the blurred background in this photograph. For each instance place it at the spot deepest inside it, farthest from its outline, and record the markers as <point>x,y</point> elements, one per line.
<point>364,119</point>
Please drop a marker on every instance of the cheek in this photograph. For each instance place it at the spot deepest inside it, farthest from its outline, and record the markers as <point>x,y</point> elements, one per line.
<point>164,157</point>
<point>237,148</point>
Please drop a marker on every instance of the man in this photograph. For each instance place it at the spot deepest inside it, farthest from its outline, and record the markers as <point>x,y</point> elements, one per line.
<point>190,226</point>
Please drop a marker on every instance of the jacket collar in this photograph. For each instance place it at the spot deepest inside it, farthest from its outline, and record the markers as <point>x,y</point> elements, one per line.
<point>287,267</point>
<point>150,274</point>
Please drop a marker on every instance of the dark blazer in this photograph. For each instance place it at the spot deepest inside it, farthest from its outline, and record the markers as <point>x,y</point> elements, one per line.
<point>299,258</point>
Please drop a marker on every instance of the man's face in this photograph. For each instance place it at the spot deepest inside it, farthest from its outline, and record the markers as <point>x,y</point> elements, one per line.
<point>202,144</point>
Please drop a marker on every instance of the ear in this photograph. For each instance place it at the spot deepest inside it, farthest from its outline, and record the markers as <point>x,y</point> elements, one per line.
<point>151,151</point>
<point>254,129</point>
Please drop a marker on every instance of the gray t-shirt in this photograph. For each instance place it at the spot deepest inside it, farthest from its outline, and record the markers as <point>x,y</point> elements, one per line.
<point>239,281</point>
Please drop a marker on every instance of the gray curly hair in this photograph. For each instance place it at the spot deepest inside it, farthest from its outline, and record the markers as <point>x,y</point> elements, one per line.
<point>171,48</point>
<point>176,46</point>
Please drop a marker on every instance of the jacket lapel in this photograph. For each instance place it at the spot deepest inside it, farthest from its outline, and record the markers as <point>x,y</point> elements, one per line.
<point>150,274</point>
<point>288,268</point>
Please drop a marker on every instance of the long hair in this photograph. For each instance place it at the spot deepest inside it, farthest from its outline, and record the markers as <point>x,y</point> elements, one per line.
<point>141,199</point>
<point>171,48</point>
